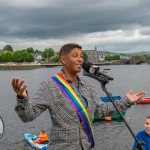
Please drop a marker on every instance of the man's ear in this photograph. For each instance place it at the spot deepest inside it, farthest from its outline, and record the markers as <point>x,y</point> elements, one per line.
<point>63,60</point>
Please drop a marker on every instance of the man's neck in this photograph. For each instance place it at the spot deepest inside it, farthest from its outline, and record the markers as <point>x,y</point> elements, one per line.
<point>72,77</point>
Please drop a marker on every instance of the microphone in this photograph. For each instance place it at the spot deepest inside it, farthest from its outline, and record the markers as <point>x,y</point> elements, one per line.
<point>93,71</point>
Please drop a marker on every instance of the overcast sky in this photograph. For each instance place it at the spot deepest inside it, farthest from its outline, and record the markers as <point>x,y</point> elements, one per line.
<point>110,25</point>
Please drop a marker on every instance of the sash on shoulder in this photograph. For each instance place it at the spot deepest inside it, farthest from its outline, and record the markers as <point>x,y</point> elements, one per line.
<point>77,104</point>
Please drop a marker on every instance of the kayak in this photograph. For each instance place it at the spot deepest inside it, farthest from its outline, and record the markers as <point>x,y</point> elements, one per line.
<point>145,100</point>
<point>106,99</point>
<point>109,118</point>
<point>30,140</point>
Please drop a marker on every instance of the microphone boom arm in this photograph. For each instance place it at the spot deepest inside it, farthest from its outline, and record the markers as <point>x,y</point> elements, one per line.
<point>102,78</point>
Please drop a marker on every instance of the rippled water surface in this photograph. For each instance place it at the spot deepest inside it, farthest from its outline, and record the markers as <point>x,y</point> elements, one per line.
<point>108,135</point>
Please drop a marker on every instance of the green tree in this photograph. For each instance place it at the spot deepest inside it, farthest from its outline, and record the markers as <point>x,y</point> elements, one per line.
<point>112,57</point>
<point>116,57</point>
<point>37,51</point>
<point>21,56</point>
<point>8,48</point>
<point>17,56</point>
<point>55,59</point>
<point>108,58</point>
<point>7,57</point>
<point>30,50</point>
<point>26,57</point>
<point>85,56</point>
<point>30,58</point>
<point>147,57</point>
<point>1,57</point>
<point>48,52</point>
<point>140,57</point>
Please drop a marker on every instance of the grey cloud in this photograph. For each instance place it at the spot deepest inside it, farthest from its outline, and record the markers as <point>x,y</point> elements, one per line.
<point>64,18</point>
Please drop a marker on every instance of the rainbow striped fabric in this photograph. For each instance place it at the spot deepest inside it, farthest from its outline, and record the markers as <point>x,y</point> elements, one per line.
<point>77,104</point>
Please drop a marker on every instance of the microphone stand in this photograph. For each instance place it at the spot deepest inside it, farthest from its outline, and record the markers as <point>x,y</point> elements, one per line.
<point>103,81</point>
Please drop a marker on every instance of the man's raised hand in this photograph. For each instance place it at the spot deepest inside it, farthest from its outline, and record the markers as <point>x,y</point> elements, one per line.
<point>19,88</point>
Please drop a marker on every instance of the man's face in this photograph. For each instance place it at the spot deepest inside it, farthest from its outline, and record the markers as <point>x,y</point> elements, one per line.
<point>147,126</point>
<point>73,61</point>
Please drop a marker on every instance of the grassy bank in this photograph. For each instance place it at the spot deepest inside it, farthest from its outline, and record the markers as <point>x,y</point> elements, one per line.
<point>21,67</point>
<point>27,66</point>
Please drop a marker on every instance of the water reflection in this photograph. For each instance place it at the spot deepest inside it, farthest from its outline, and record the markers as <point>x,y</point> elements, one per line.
<point>108,135</point>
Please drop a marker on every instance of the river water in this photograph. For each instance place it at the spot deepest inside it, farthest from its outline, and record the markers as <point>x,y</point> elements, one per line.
<point>112,135</point>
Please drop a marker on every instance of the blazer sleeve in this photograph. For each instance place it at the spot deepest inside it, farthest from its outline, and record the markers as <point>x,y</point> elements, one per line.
<point>28,109</point>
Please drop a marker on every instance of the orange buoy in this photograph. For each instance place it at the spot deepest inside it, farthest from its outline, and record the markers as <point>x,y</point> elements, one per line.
<point>108,118</point>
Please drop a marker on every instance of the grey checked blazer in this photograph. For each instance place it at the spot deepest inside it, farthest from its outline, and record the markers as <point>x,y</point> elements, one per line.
<point>67,132</point>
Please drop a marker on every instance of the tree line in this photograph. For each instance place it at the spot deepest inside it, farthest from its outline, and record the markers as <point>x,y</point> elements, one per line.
<point>117,57</point>
<point>7,54</point>
<point>25,55</point>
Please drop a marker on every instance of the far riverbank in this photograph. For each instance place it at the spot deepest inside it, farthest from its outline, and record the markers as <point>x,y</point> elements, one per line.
<point>23,66</point>
<point>26,66</point>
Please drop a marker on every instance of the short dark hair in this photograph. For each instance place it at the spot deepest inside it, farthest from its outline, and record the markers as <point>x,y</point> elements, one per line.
<point>42,131</point>
<point>65,49</point>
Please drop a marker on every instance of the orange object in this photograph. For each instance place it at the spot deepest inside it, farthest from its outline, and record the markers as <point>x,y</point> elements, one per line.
<point>108,118</point>
<point>145,100</point>
<point>43,137</point>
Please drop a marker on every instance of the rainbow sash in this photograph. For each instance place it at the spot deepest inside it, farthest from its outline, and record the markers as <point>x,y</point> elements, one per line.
<point>77,104</point>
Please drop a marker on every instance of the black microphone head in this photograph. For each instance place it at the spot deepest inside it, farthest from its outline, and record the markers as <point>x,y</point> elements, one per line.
<point>86,66</point>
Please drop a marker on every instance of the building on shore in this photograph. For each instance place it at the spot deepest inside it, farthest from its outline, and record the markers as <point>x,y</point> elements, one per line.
<point>95,56</point>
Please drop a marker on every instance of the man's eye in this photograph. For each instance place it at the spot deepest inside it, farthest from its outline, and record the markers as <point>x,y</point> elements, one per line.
<point>75,56</point>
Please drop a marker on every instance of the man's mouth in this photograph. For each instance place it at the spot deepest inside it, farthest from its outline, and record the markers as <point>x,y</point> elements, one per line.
<point>79,65</point>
